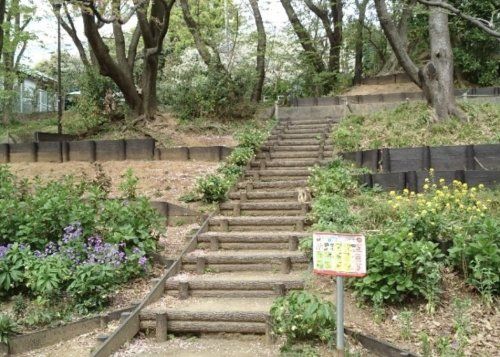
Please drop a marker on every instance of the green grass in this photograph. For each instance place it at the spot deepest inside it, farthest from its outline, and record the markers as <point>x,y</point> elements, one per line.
<point>411,125</point>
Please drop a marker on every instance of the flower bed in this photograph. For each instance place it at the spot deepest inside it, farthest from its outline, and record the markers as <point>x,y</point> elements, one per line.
<point>65,246</point>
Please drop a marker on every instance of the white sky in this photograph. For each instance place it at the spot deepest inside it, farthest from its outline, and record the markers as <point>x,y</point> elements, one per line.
<point>45,28</point>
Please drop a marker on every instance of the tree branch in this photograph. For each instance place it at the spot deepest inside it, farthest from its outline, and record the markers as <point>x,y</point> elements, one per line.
<point>473,20</point>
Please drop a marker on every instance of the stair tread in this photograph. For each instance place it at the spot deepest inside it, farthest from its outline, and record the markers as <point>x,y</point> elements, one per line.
<point>216,305</point>
<point>240,276</point>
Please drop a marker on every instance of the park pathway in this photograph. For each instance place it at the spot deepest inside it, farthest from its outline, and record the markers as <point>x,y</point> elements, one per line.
<point>249,254</point>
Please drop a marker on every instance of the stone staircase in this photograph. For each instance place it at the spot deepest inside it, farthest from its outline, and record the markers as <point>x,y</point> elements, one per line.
<point>249,254</point>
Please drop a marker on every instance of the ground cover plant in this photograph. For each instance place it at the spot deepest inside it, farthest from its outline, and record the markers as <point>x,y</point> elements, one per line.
<point>414,240</point>
<point>392,127</point>
<point>65,245</point>
<point>214,188</point>
<point>303,316</point>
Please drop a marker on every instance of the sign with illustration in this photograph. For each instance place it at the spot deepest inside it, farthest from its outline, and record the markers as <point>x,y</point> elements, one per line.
<point>339,254</point>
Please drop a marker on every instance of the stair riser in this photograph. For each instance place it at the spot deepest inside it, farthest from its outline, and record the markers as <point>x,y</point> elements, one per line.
<point>255,228</point>
<point>247,246</point>
<point>288,148</point>
<point>262,212</point>
<point>227,294</point>
<point>208,327</point>
<point>296,155</point>
<point>224,268</point>
<point>230,286</point>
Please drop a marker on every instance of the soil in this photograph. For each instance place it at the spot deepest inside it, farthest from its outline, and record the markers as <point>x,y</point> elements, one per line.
<point>169,131</point>
<point>158,180</point>
<point>80,346</point>
<point>383,88</point>
<point>483,338</point>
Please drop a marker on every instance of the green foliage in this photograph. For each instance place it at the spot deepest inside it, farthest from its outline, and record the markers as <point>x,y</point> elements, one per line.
<point>128,186</point>
<point>251,137</point>
<point>240,156</point>
<point>7,328</point>
<point>476,254</point>
<point>393,128</point>
<point>86,260</point>
<point>213,188</point>
<point>208,94</point>
<point>90,104</point>
<point>92,285</point>
<point>332,214</point>
<point>399,268</point>
<point>302,316</point>
<point>336,179</point>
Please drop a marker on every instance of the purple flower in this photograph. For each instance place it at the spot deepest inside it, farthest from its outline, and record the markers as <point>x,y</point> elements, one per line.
<point>136,250</point>
<point>142,261</point>
<point>4,249</point>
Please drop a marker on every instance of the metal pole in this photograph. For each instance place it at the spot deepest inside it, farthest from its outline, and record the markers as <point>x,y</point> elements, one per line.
<point>59,79</point>
<point>340,315</point>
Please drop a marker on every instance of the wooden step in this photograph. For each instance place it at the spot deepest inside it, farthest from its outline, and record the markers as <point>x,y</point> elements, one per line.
<point>259,223</point>
<point>290,208</point>
<point>252,184</point>
<point>288,163</point>
<point>241,315</point>
<point>294,155</point>
<point>283,261</point>
<point>233,285</point>
<point>251,240</point>
<point>273,196</point>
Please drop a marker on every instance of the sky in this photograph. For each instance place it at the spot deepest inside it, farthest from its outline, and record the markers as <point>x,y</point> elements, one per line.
<point>45,28</point>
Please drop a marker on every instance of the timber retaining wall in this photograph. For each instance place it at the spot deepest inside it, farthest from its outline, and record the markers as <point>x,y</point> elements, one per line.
<point>106,150</point>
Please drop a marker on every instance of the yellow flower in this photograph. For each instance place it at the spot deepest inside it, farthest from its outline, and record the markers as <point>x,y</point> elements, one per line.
<point>427,180</point>
<point>392,193</point>
<point>441,180</point>
<point>481,186</point>
<point>473,189</point>
<point>410,234</point>
<point>426,187</point>
<point>424,212</point>
<point>431,170</point>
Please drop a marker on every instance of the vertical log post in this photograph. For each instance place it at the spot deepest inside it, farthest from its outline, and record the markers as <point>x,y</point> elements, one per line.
<point>161,327</point>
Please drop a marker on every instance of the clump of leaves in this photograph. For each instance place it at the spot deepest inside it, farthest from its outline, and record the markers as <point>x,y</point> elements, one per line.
<point>302,316</point>
<point>213,188</point>
<point>399,268</point>
<point>128,186</point>
<point>7,328</point>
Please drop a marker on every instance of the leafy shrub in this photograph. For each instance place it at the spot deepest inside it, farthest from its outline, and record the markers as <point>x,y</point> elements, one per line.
<point>336,178</point>
<point>477,256</point>
<point>332,214</point>
<point>11,267</point>
<point>7,328</point>
<point>302,316</point>
<point>399,268</point>
<point>82,239</point>
<point>251,138</point>
<point>240,156</point>
<point>213,188</point>
<point>128,186</point>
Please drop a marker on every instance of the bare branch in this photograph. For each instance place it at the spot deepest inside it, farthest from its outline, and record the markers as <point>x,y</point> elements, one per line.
<point>482,24</point>
<point>115,18</point>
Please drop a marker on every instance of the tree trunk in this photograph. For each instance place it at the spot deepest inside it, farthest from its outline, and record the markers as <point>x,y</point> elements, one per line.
<point>358,65</point>
<point>337,8</point>
<point>436,76</point>
<point>261,52</point>
<point>2,17</point>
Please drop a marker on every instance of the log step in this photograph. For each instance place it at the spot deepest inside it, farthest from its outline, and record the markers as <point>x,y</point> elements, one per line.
<point>283,172</point>
<point>273,184</point>
<point>297,164</point>
<point>252,237</point>
<point>242,315</point>
<point>233,285</point>
<point>281,148</point>
<point>295,155</point>
<point>272,196</point>
<point>235,257</point>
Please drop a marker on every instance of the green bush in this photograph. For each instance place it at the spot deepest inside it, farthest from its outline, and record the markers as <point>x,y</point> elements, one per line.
<point>240,156</point>
<point>399,268</point>
<point>477,256</point>
<point>302,316</point>
<point>337,178</point>
<point>7,328</point>
<point>213,188</point>
<point>332,214</point>
<point>73,237</point>
<point>251,138</point>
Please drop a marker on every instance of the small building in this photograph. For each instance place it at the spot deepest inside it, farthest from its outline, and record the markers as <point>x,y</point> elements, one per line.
<point>36,92</point>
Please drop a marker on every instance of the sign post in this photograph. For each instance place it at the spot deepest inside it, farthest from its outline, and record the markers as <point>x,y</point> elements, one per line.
<point>341,255</point>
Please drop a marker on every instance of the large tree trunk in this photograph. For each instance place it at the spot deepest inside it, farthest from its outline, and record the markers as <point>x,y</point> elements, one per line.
<point>261,52</point>
<point>436,76</point>
<point>337,9</point>
<point>358,63</point>
<point>2,18</point>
